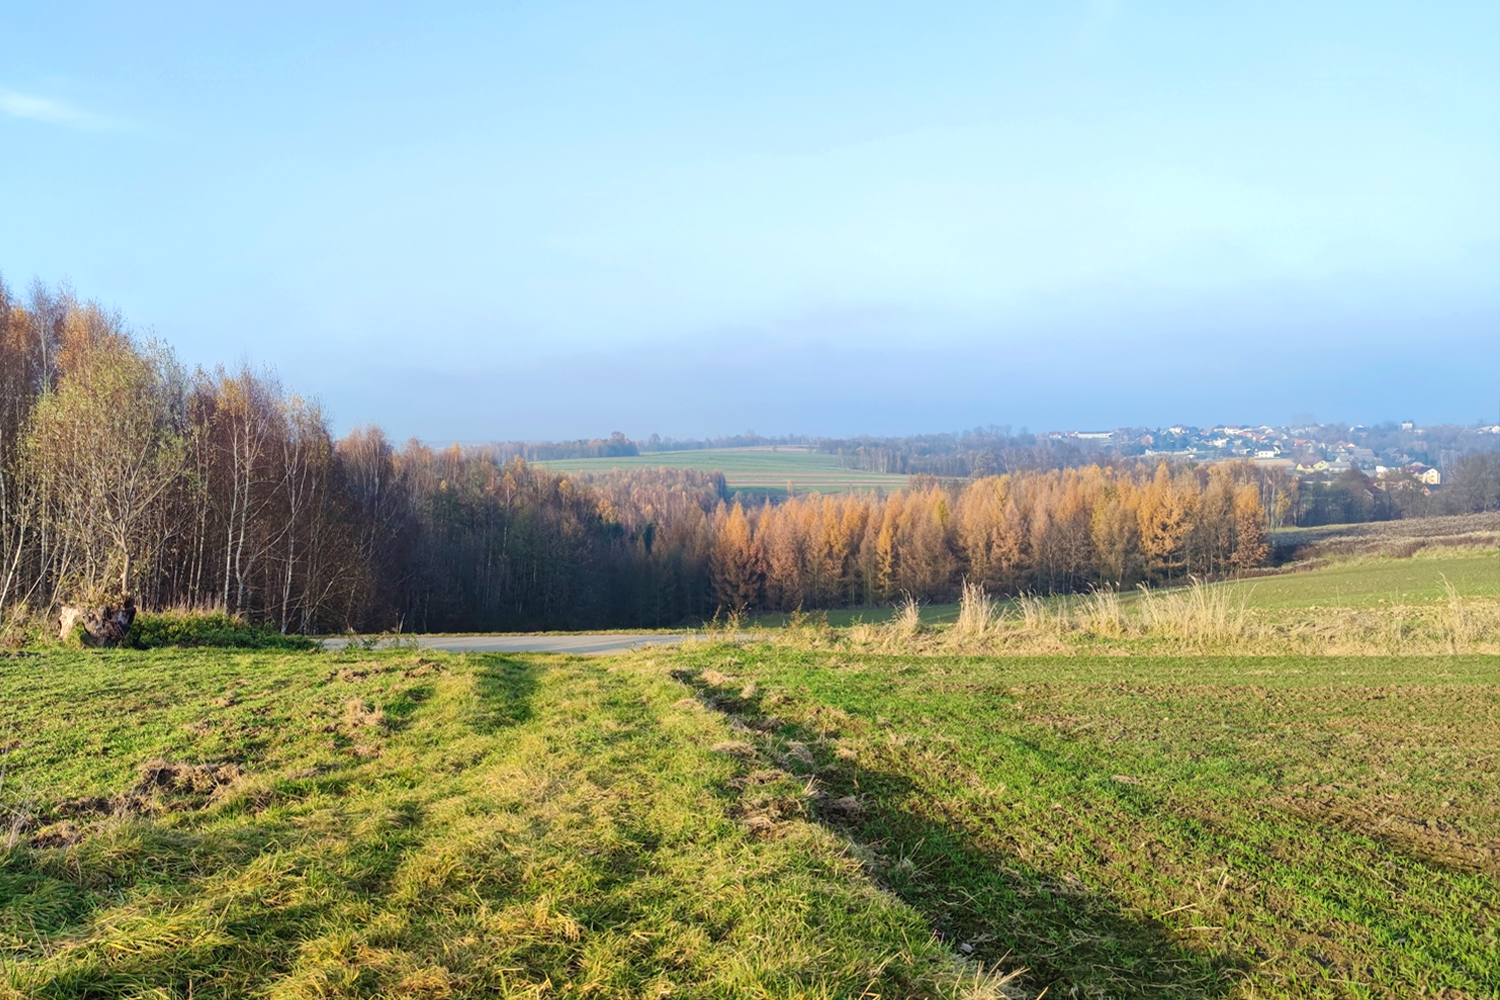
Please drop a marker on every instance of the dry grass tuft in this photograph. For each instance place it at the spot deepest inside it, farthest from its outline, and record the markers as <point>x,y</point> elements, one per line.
<point>359,714</point>
<point>1199,617</point>
<point>1038,616</point>
<point>1200,612</point>
<point>976,613</point>
<point>1455,619</point>
<point>976,983</point>
<point>908,617</point>
<point>1101,614</point>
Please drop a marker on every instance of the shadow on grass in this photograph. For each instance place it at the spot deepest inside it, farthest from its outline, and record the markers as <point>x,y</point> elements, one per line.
<point>1075,940</point>
<point>505,685</point>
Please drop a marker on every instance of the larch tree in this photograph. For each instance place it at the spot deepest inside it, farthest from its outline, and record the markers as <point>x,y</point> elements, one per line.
<point>735,563</point>
<point>1250,548</point>
<point>1164,521</point>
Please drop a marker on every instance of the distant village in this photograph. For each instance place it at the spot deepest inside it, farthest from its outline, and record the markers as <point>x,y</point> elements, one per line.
<point>1386,453</point>
<point>1393,464</point>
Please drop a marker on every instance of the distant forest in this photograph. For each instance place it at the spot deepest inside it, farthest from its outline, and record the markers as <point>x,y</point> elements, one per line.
<point>122,472</point>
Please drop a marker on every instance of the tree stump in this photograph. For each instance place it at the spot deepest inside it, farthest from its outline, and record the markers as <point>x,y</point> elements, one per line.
<point>104,626</point>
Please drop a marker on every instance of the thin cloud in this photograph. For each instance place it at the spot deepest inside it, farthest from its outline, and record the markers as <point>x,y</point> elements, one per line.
<point>42,109</point>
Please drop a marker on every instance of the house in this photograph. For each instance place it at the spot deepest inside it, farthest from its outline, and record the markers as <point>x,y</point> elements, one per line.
<point>1421,473</point>
<point>1425,474</point>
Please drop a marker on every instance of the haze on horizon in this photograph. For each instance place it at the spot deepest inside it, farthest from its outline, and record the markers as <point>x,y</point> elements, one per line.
<point>553,221</point>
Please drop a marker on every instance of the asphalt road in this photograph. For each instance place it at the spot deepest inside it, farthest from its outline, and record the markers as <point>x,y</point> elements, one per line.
<point>598,643</point>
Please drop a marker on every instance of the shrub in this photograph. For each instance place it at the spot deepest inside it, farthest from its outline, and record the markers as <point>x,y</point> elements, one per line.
<point>208,628</point>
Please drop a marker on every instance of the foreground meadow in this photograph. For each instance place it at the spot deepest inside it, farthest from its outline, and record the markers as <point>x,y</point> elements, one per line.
<point>201,824</point>
<point>748,820</point>
<point>880,811</point>
<point>1174,826</point>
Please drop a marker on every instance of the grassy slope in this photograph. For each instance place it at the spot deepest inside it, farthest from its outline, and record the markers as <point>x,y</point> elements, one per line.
<point>1359,583</point>
<point>752,470</point>
<point>501,823</point>
<point>1164,827</point>
<point>1190,827</point>
<point>1373,580</point>
<point>1131,826</point>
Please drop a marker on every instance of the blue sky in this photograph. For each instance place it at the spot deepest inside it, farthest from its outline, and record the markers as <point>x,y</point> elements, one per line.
<point>558,220</point>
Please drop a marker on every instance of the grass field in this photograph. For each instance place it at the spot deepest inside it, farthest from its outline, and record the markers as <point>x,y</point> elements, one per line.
<point>756,472</point>
<point>201,824</point>
<point>1386,537</point>
<point>1372,580</point>
<point>800,817</point>
<point>1361,582</point>
<point>1186,827</point>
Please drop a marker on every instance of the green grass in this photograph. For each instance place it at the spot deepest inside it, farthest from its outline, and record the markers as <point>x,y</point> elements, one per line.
<point>388,825</point>
<point>1364,582</point>
<point>152,630</point>
<point>412,826</point>
<point>754,471</point>
<point>1368,581</point>
<point>804,818</point>
<point>1184,827</point>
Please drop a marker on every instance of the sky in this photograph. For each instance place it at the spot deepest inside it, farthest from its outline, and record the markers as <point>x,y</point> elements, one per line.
<point>557,220</point>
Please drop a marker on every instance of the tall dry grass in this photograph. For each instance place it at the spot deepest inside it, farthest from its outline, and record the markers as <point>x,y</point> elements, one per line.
<point>1101,614</point>
<point>907,621</point>
<point>1037,615</point>
<point>976,613</point>
<point>1457,624</point>
<point>1199,612</point>
<point>1199,617</point>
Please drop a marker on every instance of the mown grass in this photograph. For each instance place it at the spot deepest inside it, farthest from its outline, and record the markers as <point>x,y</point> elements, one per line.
<point>1173,826</point>
<point>212,824</point>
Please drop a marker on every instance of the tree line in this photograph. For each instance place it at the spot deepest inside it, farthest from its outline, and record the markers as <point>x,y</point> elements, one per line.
<point>1043,531</point>
<point>124,472</point>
